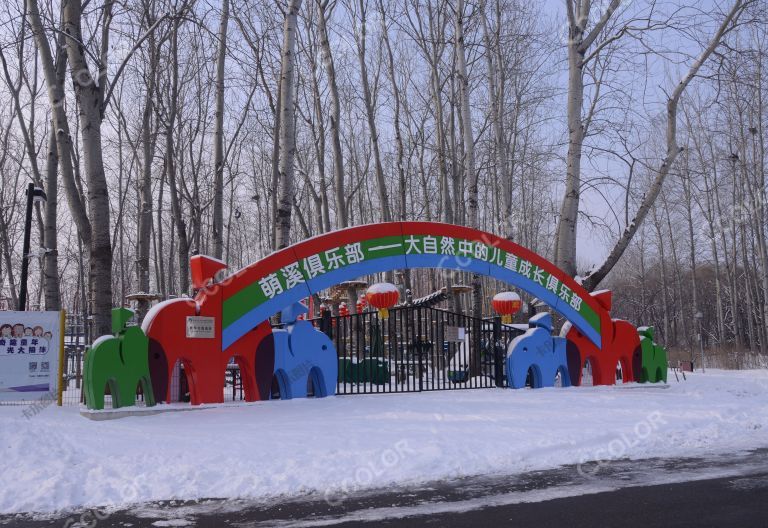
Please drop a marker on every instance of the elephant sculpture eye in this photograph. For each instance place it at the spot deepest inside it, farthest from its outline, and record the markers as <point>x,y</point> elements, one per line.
<point>325,347</point>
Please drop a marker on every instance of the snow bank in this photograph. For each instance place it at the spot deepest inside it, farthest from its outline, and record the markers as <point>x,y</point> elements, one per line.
<point>60,460</point>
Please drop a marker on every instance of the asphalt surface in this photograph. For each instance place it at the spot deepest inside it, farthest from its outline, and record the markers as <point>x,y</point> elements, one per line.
<point>725,491</point>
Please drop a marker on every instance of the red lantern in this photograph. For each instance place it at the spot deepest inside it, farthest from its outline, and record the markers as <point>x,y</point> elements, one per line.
<point>382,296</point>
<point>362,303</point>
<point>507,304</point>
<point>343,310</point>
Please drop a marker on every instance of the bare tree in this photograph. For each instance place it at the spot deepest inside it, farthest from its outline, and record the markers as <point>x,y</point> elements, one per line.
<point>144,237</point>
<point>218,143</point>
<point>673,149</point>
<point>324,9</point>
<point>581,37</point>
<point>287,137</point>
<point>370,111</point>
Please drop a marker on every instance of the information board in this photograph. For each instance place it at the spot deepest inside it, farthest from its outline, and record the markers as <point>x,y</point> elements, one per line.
<point>30,346</point>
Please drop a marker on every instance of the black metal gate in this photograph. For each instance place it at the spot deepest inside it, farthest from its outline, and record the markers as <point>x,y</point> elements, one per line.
<point>417,349</point>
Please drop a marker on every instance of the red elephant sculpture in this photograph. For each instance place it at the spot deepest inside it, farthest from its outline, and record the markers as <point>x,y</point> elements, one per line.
<point>620,346</point>
<point>189,331</point>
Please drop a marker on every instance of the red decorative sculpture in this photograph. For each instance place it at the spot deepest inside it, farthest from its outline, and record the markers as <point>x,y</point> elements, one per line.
<point>189,331</point>
<point>621,344</point>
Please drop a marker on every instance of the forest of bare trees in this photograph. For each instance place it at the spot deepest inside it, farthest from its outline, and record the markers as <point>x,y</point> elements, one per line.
<point>626,141</point>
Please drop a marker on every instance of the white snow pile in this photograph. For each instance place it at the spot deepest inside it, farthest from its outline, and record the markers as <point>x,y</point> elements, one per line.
<point>59,460</point>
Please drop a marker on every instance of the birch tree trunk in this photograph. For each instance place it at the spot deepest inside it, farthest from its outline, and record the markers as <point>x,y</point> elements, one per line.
<point>51,244</point>
<point>468,142</point>
<point>170,166</point>
<point>275,166</point>
<point>499,143</point>
<point>90,96</point>
<point>54,77</point>
<point>342,215</point>
<point>144,237</point>
<point>470,175</point>
<point>218,142</point>
<point>287,132</point>
<point>565,255</point>
<point>370,114</point>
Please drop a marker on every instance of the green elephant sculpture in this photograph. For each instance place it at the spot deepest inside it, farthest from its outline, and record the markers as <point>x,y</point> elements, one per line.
<point>654,357</point>
<point>120,362</point>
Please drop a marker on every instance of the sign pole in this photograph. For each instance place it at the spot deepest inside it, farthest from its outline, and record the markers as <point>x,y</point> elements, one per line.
<point>62,325</point>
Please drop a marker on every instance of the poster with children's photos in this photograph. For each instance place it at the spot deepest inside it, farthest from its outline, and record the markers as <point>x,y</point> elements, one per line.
<point>29,354</point>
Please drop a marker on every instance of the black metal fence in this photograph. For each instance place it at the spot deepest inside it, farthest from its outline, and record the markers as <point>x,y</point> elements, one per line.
<point>417,349</point>
<point>75,345</point>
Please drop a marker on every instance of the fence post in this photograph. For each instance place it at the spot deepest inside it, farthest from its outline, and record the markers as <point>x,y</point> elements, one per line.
<point>420,350</point>
<point>325,324</point>
<point>62,356</point>
<point>498,353</point>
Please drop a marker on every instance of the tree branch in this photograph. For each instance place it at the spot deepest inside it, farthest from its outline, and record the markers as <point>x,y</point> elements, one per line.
<point>123,64</point>
<point>590,38</point>
<point>673,150</point>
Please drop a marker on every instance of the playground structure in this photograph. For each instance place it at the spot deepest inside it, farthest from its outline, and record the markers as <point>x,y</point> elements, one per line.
<point>229,320</point>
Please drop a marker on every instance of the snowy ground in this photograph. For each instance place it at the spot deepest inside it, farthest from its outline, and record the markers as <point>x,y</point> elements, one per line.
<point>58,460</point>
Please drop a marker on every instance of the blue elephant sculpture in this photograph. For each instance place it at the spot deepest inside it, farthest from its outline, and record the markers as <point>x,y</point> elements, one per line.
<point>540,353</point>
<point>303,354</point>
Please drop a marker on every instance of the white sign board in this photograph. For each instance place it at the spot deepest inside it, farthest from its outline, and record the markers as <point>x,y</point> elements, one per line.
<point>30,345</point>
<point>454,333</point>
<point>201,327</point>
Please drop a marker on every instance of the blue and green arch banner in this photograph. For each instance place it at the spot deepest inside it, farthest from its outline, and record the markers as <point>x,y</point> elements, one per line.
<point>258,291</point>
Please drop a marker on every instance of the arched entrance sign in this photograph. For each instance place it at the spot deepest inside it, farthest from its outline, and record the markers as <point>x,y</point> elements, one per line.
<point>253,294</point>
<point>228,320</point>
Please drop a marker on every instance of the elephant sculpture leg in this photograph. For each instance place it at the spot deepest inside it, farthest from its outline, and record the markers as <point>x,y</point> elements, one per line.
<point>159,371</point>
<point>254,354</point>
<point>560,361</point>
<point>625,346</point>
<point>102,364</point>
<point>134,347</point>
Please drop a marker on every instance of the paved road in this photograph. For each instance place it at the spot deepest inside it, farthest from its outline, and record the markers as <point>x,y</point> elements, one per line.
<point>719,492</point>
<point>717,503</point>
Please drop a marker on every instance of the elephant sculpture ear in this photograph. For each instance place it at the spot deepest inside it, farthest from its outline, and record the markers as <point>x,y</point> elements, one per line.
<point>542,320</point>
<point>120,317</point>
<point>203,269</point>
<point>646,331</point>
<point>290,314</point>
<point>604,298</point>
